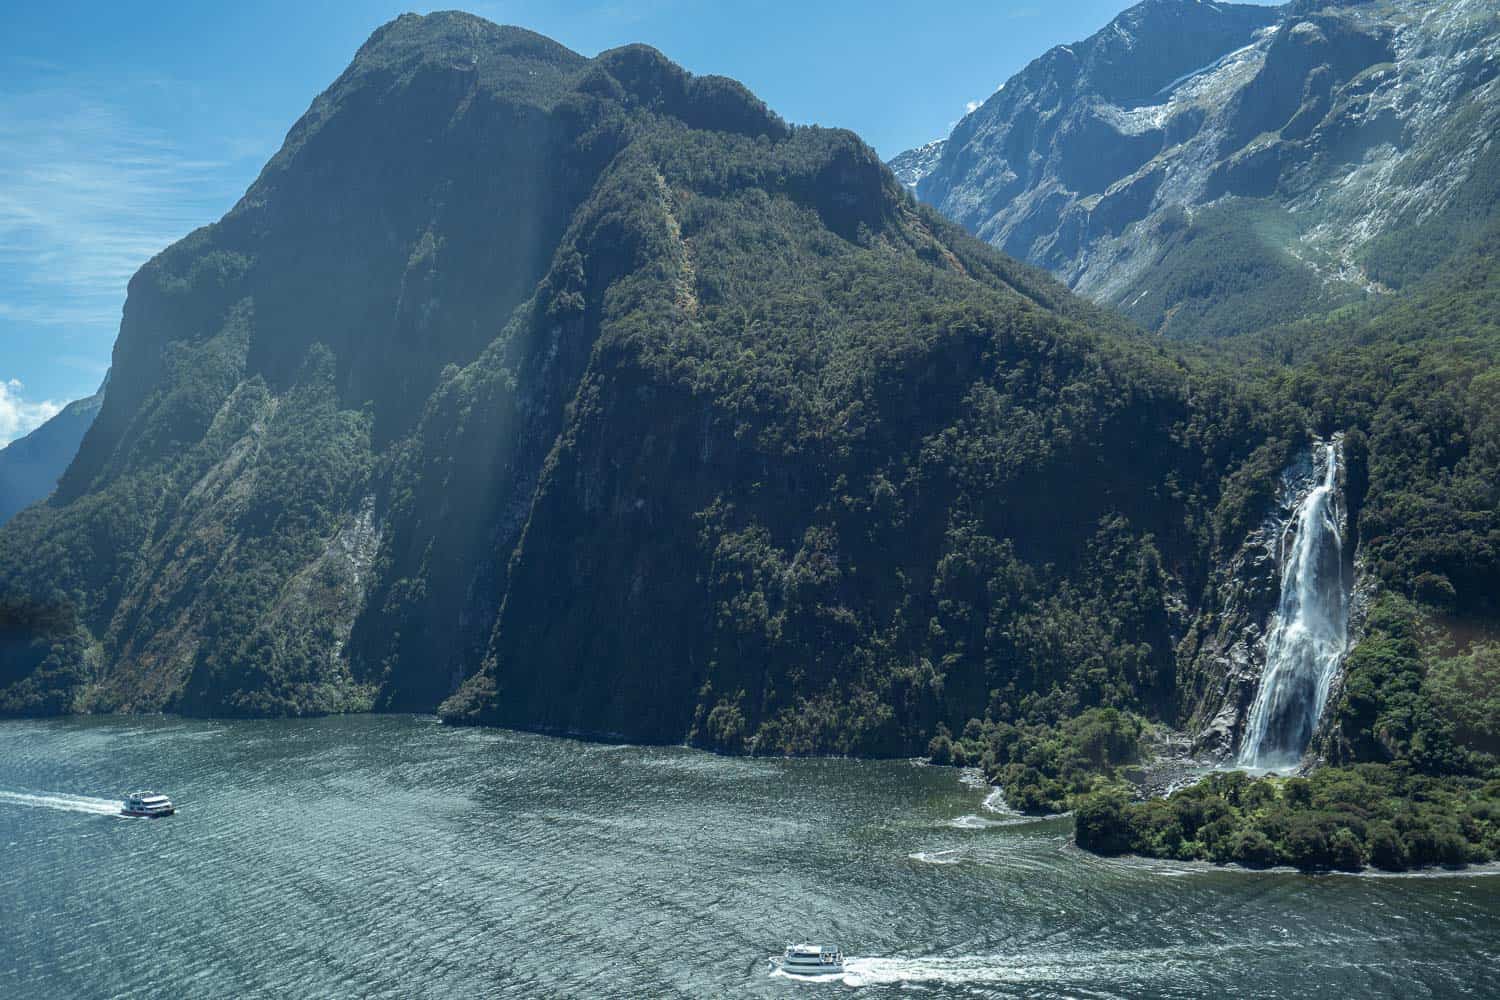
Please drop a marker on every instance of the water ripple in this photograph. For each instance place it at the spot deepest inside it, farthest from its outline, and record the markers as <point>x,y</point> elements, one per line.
<point>391,857</point>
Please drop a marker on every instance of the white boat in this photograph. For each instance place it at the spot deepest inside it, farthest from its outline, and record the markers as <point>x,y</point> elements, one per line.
<point>147,804</point>
<point>812,960</point>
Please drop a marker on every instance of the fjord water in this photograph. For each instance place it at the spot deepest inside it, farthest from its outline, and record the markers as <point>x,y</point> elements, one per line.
<point>1310,634</point>
<point>393,856</point>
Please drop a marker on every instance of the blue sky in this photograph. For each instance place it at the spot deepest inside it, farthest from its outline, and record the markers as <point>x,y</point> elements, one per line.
<point>124,124</point>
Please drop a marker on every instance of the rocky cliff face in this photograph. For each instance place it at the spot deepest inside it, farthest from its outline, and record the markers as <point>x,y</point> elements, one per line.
<point>1214,168</point>
<point>914,164</point>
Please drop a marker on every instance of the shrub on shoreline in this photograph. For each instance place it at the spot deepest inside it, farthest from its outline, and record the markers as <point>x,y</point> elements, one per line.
<point>1041,768</point>
<point>1339,818</point>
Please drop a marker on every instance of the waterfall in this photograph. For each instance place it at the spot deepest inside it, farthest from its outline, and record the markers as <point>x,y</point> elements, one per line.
<point>1309,634</point>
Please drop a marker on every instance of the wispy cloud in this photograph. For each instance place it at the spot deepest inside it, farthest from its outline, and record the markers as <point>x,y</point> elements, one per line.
<point>86,197</point>
<point>96,176</point>
<point>19,416</point>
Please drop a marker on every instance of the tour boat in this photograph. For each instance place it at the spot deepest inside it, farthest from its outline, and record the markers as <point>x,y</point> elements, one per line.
<point>812,960</point>
<point>147,804</point>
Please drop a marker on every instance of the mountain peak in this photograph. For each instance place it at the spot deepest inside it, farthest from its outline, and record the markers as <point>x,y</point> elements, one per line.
<point>502,58</point>
<point>650,80</point>
<point>914,164</point>
<point>455,33</point>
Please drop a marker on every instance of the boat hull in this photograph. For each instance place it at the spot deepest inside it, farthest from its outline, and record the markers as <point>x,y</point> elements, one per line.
<point>797,969</point>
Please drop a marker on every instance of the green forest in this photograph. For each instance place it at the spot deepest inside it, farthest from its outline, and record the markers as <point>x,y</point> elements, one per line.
<point>1412,776</point>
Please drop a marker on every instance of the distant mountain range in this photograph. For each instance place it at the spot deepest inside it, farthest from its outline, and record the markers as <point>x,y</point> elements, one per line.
<point>1212,168</point>
<point>30,466</point>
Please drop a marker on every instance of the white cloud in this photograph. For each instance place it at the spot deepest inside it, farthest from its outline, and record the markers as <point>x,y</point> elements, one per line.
<point>18,416</point>
<point>974,106</point>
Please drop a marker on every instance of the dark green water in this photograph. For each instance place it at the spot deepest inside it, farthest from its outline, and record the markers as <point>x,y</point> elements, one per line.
<point>396,857</point>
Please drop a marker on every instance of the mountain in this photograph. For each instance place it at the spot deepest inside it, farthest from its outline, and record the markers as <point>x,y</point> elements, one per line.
<point>31,466</point>
<point>1212,169</point>
<point>588,395</point>
<point>914,164</point>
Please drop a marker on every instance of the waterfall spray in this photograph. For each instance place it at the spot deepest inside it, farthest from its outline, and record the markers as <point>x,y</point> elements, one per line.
<point>1309,636</point>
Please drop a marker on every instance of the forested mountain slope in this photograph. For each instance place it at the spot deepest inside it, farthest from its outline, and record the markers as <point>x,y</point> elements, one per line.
<point>591,392</point>
<point>1212,169</point>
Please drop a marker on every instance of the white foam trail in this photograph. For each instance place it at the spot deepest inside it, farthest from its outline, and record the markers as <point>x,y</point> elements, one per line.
<point>969,969</point>
<point>953,856</point>
<point>989,969</point>
<point>973,777</point>
<point>959,970</point>
<point>995,802</point>
<point>1005,820</point>
<point>59,800</point>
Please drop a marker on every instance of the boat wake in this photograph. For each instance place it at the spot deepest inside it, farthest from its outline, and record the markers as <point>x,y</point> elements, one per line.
<point>1100,969</point>
<point>958,970</point>
<point>62,801</point>
<point>1004,819</point>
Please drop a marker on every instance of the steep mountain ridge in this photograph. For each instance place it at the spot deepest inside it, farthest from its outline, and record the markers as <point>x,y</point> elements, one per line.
<point>1213,169</point>
<point>589,395</point>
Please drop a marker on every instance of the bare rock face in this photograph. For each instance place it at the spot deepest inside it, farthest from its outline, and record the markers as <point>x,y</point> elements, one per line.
<point>1229,660</point>
<point>914,164</point>
<point>1289,143</point>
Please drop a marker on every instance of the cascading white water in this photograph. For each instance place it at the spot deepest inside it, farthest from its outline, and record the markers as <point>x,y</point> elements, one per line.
<point>1309,635</point>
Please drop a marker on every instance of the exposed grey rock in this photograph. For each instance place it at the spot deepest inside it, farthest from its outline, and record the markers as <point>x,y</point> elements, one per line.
<point>1327,125</point>
<point>914,164</point>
